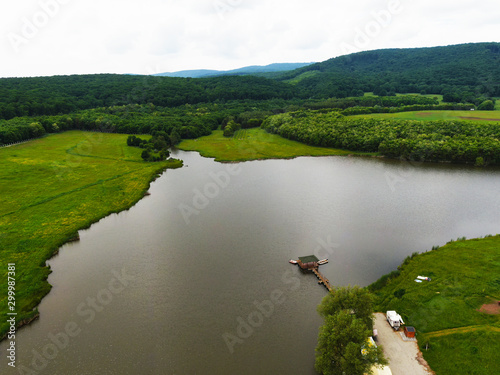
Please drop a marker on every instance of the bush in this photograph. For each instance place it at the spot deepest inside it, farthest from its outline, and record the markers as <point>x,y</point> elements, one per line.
<point>399,293</point>
<point>487,105</point>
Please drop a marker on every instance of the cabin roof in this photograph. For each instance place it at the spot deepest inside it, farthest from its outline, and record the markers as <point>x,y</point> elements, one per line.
<point>309,258</point>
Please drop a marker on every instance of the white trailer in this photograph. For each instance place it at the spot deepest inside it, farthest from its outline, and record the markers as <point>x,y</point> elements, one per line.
<point>394,319</point>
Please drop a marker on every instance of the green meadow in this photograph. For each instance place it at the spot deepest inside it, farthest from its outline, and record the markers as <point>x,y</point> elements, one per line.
<point>438,96</point>
<point>453,335</point>
<point>254,144</point>
<point>52,187</point>
<point>478,116</point>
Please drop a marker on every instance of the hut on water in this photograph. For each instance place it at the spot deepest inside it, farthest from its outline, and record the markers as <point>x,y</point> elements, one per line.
<point>309,262</point>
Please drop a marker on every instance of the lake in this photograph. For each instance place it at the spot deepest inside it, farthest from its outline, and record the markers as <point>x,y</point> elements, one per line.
<point>195,279</point>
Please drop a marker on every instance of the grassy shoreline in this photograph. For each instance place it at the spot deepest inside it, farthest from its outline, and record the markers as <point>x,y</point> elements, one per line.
<point>256,144</point>
<point>453,335</point>
<point>68,182</point>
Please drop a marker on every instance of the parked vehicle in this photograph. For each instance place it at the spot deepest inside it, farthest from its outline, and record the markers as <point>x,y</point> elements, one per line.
<point>394,319</point>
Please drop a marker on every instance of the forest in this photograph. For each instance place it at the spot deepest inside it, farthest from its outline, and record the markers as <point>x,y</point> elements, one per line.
<point>439,141</point>
<point>462,73</point>
<point>66,94</point>
<point>195,120</point>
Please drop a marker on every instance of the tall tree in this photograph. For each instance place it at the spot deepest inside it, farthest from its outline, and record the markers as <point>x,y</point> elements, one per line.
<point>343,343</point>
<point>355,300</point>
<point>343,347</point>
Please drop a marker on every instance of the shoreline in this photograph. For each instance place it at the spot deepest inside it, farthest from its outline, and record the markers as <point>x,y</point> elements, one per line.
<point>35,264</point>
<point>424,305</point>
<point>36,315</point>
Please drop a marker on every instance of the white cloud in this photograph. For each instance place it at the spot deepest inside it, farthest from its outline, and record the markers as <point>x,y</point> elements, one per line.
<point>46,37</point>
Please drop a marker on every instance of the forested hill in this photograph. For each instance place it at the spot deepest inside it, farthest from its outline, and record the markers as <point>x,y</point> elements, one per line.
<point>451,70</point>
<point>467,73</point>
<point>65,94</point>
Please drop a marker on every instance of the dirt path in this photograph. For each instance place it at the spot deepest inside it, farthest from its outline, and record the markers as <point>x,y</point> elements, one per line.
<point>404,356</point>
<point>467,329</point>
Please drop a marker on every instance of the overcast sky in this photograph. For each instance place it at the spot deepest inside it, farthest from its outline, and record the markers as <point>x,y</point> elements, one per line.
<point>52,37</point>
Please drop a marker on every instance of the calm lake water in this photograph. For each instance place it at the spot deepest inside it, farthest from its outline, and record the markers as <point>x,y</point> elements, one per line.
<point>195,278</point>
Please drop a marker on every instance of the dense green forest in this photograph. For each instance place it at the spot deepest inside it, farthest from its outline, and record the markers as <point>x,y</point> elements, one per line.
<point>187,121</point>
<point>66,94</point>
<point>461,72</point>
<point>453,141</point>
<point>195,120</point>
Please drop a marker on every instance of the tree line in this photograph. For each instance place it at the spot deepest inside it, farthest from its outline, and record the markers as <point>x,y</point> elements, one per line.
<point>155,148</point>
<point>450,141</point>
<point>56,95</point>
<point>193,120</point>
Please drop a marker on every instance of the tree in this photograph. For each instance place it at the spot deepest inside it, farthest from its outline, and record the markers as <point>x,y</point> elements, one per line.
<point>343,344</point>
<point>164,153</point>
<point>145,154</point>
<point>174,137</point>
<point>159,143</point>
<point>355,300</point>
<point>36,130</point>
<point>487,105</point>
<point>230,128</point>
<point>343,347</point>
<point>131,140</point>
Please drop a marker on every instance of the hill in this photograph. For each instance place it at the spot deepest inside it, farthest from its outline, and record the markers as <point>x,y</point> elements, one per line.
<point>467,73</point>
<point>456,71</point>
<point>196,73</point>
<point>247,70</point>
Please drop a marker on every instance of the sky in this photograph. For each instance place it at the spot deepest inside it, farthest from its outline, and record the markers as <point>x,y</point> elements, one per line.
<point>60,37</point>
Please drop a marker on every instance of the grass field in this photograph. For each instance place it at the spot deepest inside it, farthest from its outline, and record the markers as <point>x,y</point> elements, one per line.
<point>439,115</point>
<point>52,187</point>
<point>445,311</point>
<point>438,96</point>
<point>254,144</point>
<point>302,76</point>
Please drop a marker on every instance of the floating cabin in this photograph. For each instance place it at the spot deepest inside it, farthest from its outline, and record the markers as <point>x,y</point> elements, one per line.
<point>308,263</point>
<point>311,263</point>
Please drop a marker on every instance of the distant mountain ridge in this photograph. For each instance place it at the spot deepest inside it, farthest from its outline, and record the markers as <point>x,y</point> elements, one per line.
<point>457,69</point>
<point>252,69</point>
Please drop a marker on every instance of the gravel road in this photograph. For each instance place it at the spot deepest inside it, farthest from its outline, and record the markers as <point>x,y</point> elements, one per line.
<point>404,356</point>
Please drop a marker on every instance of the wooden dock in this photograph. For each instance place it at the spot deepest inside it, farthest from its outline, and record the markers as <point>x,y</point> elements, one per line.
<point>311,263</point>
<point>322,279</point>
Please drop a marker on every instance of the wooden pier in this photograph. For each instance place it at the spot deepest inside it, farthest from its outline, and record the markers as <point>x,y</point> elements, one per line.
<point>312,263</point>
<point>322,279</point>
